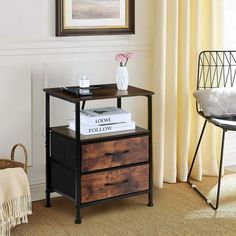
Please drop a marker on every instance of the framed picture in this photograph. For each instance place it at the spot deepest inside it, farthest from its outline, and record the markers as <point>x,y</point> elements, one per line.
<point>95,17</point>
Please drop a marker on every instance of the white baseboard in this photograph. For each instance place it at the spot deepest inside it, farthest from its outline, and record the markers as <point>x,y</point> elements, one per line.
<point>38,192</point>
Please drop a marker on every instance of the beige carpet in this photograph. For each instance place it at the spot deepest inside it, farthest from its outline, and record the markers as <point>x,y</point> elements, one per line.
<point>177,211</point>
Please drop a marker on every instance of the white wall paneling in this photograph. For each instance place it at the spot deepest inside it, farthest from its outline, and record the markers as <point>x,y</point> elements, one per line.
<point>15,104</point>
<point>27,37</point>
<point>33,20</point>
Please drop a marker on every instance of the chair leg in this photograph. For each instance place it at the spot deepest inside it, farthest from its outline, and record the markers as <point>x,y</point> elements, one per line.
<point>198,145</point>
<point>209,202</point>
<point>220,172</point>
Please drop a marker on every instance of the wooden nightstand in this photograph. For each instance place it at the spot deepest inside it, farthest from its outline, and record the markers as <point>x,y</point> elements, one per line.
<point>96,168</point>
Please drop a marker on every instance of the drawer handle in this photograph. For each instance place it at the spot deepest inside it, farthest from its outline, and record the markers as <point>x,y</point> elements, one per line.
<point>116,153</point>
<point>117,182</point>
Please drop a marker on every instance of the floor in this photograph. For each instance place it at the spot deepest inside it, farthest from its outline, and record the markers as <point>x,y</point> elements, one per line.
<point>178,210</point>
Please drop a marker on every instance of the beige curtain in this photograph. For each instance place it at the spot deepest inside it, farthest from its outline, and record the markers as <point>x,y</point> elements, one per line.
<point>183,28</point>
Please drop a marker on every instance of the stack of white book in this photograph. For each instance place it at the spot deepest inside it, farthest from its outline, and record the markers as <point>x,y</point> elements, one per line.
<point>103,120</point>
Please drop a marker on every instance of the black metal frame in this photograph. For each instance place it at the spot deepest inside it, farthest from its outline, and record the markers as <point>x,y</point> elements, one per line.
<point>47,146</point>
<point>78,164</point>
<point>78,171</point>
<point>215,69</point>
<point>150,192</point>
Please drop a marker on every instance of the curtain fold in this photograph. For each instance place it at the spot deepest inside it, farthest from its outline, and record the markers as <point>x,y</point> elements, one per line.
<point>182,29</point>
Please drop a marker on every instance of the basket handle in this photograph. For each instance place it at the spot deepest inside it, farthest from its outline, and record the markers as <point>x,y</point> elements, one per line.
<point>25,152</point>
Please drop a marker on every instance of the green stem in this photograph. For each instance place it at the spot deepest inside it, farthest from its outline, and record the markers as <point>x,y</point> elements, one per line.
<point>126,62</point>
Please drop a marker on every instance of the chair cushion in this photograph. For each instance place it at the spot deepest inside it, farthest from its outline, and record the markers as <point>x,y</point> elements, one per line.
<point>218,102</point>
<point>225,123</point>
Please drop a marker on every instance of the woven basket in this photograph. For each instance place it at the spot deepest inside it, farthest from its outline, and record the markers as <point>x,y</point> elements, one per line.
<point>6,163</point>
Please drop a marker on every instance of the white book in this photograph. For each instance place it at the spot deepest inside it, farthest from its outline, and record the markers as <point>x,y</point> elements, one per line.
<point>104,115</point>
<point>104,128</point>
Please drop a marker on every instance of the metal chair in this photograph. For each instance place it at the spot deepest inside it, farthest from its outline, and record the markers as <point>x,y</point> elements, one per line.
<point>215,69</point>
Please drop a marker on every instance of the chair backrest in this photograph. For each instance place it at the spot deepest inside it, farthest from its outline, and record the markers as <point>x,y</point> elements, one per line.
<point>216,69</point>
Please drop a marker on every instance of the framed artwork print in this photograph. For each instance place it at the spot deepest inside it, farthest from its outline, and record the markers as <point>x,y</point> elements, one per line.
<point>94,17</point>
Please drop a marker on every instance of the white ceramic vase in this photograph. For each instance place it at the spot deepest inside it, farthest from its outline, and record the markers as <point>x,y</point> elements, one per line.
<point>122,78</point>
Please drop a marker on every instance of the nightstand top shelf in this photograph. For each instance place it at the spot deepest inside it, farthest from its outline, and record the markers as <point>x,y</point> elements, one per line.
<point>102,91</point>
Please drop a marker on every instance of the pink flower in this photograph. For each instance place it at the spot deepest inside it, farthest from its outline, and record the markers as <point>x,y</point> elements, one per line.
<point>129,55</point>
<point>120,57</point>
<point>124,57</point>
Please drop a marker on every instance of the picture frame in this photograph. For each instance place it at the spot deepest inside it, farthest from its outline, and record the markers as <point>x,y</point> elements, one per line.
<point>95,17</point>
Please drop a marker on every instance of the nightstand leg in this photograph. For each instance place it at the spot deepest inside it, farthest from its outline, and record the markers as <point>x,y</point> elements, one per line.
<point>150,199</point>
<point>150,192</point>
<point>47,145</point>
<point>78,219</point>
<point>48,200</point>
<point>78,164</point>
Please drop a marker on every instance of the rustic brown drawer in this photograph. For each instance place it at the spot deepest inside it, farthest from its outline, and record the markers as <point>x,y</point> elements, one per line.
<point>113,183</point>
<point>114,153</point>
